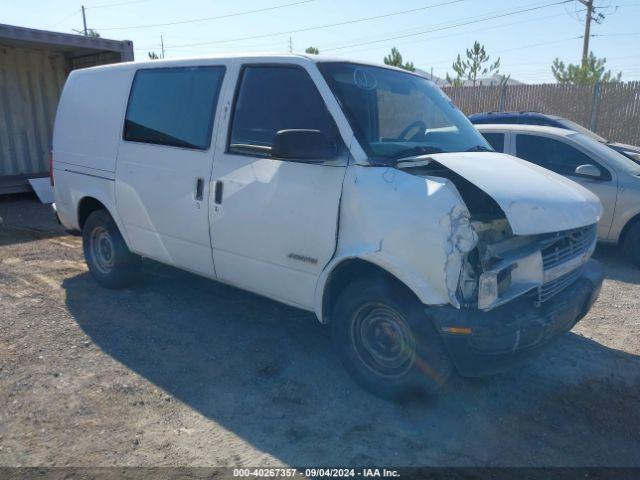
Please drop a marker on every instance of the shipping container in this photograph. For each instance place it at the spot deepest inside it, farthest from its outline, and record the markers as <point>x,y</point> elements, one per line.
<point>34,65</point>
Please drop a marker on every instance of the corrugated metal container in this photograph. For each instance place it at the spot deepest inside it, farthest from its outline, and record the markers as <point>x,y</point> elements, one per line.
<point>33,67</point>
<point>30,85</point>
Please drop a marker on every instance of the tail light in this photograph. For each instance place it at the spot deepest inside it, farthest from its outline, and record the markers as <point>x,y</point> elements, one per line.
<point>51,167</point>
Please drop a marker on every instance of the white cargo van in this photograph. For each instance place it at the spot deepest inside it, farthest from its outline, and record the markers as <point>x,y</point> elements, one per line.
<point>355,191</point>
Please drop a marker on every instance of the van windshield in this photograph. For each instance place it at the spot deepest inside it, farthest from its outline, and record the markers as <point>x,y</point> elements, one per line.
<point>397,115</point>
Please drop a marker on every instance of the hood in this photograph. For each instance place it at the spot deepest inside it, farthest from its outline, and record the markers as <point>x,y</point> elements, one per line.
<point>533,199</point>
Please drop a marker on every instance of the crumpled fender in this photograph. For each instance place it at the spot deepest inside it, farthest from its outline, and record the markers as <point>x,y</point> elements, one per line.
<point>415,228</point>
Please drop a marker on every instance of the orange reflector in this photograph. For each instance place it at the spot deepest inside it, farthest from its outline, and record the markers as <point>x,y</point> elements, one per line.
<point>458,330</point>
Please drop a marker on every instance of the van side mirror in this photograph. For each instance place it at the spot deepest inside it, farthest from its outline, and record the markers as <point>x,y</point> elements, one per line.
<point>311,146</point>
<point>590,171</point>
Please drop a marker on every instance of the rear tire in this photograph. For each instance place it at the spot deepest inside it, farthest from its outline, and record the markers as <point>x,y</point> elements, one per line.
<point>107,255</point>
<point>631,243</point>
<point>386,342</point>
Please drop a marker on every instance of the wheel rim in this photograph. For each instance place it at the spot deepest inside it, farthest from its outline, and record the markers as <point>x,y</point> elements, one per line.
<point>382,340</point>
<point>102,249</point>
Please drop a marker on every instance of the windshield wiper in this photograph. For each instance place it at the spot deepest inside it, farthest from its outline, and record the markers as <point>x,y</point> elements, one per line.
<point>479,148</point>
<point>414,151</point>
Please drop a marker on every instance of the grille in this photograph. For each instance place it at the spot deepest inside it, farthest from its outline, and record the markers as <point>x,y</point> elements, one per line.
<point>549,289</point>
<point>569,245</point>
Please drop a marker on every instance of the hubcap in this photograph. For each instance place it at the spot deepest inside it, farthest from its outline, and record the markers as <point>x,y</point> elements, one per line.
<point>102,250</point>
<point>382,340</point>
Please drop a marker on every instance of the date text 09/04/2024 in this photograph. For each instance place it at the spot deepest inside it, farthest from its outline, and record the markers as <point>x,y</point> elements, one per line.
<point>316,472</point>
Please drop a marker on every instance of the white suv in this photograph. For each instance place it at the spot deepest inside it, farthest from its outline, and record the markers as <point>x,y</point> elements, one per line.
<point>611,176</point>
<point>355,191</point>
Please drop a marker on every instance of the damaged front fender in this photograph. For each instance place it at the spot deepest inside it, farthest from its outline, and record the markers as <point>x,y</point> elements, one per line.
<point>461,240</point>
<point>416,228</point>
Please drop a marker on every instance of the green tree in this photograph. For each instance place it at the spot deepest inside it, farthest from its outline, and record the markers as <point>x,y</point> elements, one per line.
<point>395,60</point>
<point>475,64</point>
<point>312,51</point>
<point>592,71</point>
<point>153,56</point>
<point>90,32</point>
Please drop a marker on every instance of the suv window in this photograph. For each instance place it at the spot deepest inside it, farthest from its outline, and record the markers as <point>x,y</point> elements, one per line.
<point>271,99</point>
<point>173,106</point>
<point>496,140</point>
<point>551,154</point>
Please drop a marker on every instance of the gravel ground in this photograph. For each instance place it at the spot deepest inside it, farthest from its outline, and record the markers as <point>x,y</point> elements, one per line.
<point>184,371</point>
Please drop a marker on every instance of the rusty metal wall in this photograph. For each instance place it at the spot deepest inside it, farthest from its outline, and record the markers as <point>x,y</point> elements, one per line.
<point>30,85</point>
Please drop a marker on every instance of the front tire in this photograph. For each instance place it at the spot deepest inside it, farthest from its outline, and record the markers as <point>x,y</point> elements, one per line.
<point>631,244</point>
<point>386,342</point>
<point>107,255</point>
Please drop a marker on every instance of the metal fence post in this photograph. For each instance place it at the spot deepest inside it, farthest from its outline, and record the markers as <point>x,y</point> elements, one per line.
<point>503,92</point>
<point>595,101</point>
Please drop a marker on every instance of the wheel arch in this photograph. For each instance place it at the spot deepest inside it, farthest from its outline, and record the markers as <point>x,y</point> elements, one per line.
<point>86,206</point>
<point>627,226</point>
<point>342,271</point>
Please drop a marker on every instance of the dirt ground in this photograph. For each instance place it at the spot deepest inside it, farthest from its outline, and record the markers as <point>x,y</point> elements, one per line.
<point>184,371</point>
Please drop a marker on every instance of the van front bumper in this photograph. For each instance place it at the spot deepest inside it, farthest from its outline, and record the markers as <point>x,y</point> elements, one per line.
<point>488,342</point>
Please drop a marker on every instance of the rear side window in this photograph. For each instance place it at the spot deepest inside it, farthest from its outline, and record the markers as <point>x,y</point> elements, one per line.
<point>551,154</point>
<point>496,140</point>
<point>274,98</point>
<point>173,106</point>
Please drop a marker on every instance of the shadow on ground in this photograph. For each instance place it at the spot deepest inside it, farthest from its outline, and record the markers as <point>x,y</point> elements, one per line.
<point>267,373</point>
<point>23,219</point>
<point>616,266</point>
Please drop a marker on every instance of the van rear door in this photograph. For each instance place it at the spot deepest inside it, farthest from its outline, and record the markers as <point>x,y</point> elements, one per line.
<point>164,164</point>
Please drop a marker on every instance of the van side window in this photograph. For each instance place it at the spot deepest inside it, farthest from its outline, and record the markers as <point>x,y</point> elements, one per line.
<point>173,106</point>
<point>274,98</point>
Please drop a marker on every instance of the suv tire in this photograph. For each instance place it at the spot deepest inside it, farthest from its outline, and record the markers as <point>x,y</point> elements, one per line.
<point>386,341</point>
<point>107,255</point>
<point>631,243</point>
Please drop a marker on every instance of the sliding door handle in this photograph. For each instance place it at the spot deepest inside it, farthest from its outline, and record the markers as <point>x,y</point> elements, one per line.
<point>199,193</point>
<point>217,195</point>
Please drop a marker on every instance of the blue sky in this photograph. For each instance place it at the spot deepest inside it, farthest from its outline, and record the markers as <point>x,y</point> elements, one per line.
<point>527,42</point>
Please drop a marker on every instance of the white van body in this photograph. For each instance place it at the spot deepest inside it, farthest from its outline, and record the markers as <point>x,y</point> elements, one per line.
<point>289,229</point>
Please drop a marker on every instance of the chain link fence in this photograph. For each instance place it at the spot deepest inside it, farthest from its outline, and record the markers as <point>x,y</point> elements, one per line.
<point>612,110</point>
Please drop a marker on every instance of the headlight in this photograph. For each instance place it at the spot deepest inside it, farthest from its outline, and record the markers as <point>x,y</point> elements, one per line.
<point>509,279</point>
<point>487,290</point>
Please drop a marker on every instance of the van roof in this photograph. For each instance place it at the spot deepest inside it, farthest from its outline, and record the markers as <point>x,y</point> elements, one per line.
<point>250,57</point>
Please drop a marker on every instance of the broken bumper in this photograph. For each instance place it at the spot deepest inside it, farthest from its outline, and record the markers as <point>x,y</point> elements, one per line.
<point>506,334</point>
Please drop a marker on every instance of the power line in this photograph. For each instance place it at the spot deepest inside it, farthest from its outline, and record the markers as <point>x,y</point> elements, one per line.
<point>522,47</point>
<point>207,19</point>
<point>461,24</point>
<point>318,27</point>
<point>487,16</point>
<point>75,12</point>
<point>119,4</point>
<point>466,32</point>
<point>614,34</point>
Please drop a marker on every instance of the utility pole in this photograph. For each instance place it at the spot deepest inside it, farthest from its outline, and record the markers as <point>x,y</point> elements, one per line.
<point>84,21</point>
<point>587,30</point>
<point>290,45</point>
<point>162,46</point>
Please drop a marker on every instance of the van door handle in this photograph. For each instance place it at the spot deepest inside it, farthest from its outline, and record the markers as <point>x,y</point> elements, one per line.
<point>217,195</point>
<point>199,193</point>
